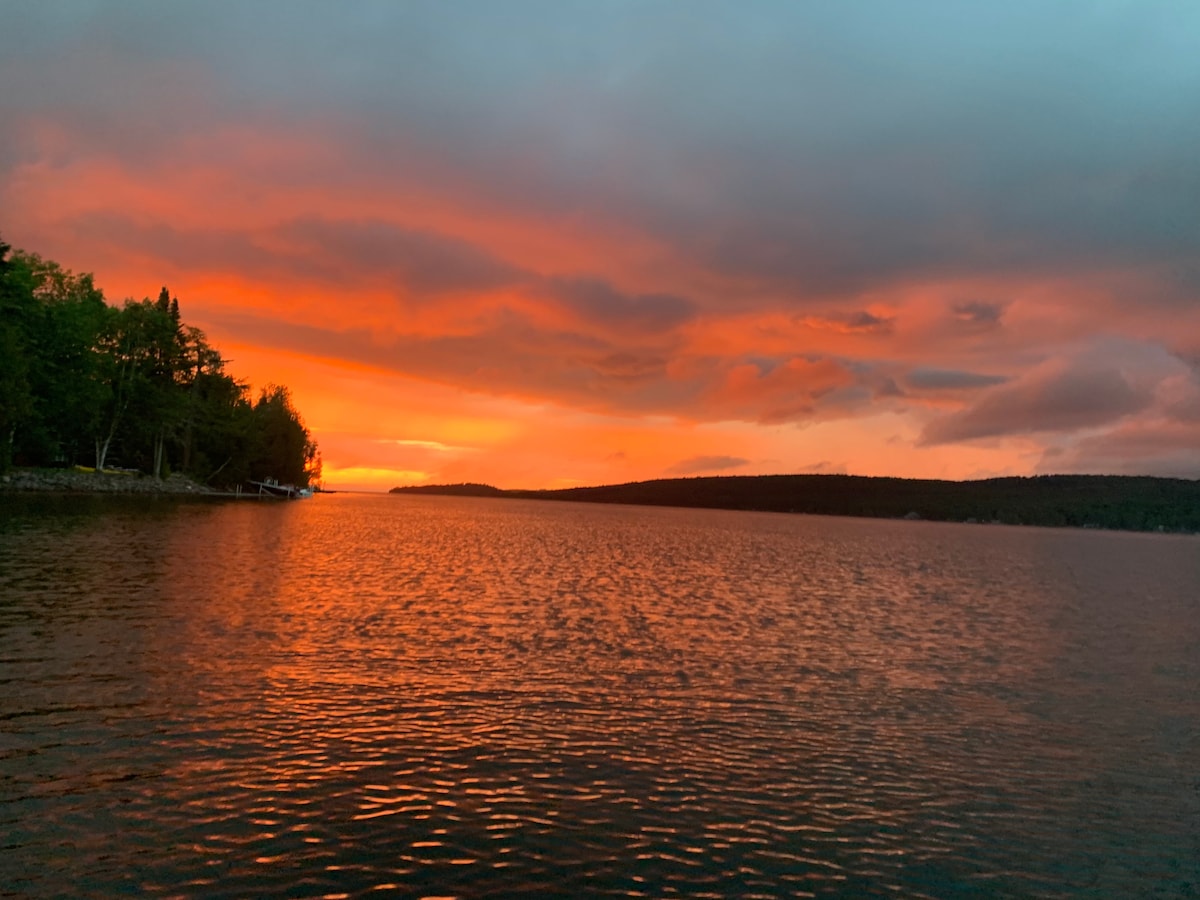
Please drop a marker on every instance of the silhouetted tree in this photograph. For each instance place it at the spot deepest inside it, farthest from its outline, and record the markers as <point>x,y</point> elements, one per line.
<point>16,399</point>
<point>285,448</point>
<point>78,376</point>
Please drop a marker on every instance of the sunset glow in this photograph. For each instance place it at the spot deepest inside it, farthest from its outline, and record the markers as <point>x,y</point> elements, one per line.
<point>544,245</point>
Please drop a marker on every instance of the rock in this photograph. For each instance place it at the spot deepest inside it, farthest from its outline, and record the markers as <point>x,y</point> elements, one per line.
<point>74,482</point>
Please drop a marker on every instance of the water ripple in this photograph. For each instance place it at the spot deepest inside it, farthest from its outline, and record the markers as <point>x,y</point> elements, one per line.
<point>435,697</point>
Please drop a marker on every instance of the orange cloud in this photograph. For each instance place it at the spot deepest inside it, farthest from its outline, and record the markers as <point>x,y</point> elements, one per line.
<point>573,304</point>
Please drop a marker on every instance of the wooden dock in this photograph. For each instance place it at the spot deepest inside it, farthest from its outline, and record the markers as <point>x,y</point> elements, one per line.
<point>273,489</point>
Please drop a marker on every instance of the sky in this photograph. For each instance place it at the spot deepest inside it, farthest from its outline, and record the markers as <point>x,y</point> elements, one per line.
<point>543,244</point>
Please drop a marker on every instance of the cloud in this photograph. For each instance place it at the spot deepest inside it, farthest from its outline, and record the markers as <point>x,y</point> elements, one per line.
<point>1097,385</point>
<point>857,321</point>
<point>938,157</point>
<point>1064,401</point>
<point>631,366</point>
<point>508,354</point>
<point>824,467</point>
<point>413,262</point>
<point>776,216</point>
<point>978,313</point>
<point>698,464</point>
<point>437,446</point>
<point>929,379</point>
<point>1155,447</point>
<point>505,354</point>
<point>600,303</point>
<point>420,262</point>
<point>776,391</point>
<point>865,321</point>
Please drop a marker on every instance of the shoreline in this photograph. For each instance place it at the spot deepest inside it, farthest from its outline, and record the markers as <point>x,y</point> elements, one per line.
<point>71,481</point>
<point>1092,502</point>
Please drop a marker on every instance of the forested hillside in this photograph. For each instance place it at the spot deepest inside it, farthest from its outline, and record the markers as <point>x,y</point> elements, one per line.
<point>85,382</point>
<point>1085,501</point>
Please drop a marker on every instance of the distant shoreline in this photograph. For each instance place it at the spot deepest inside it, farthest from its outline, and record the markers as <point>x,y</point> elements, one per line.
<point>1111,502</point>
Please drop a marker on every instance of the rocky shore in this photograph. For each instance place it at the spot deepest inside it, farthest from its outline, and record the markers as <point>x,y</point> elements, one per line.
<point>70,481</point>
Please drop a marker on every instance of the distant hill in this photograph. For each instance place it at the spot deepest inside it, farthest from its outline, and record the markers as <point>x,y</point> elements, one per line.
<point>1083,501</point>
<point>454,490</point>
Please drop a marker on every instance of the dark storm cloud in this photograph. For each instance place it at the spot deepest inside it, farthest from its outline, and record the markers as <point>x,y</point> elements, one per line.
<point>824,148</point>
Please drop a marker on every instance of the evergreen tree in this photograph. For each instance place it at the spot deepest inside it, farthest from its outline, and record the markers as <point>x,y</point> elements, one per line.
<point>78,376</point>
<point>16,398</point>
<point>285,449</point>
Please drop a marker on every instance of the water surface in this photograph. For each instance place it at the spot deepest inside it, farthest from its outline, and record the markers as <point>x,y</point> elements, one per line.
<point>470,697</point>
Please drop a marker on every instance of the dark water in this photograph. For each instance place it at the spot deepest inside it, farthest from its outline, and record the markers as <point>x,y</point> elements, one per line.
<point>444,697</point>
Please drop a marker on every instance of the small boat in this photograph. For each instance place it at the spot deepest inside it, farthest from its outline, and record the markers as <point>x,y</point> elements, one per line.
<point>272,488</point>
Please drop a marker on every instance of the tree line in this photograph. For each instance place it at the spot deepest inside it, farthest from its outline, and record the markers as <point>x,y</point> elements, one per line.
<point>1135,503</point>
<point>84,382</point>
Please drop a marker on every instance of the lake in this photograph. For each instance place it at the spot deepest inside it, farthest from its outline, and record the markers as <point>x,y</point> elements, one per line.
<point>432,696</point>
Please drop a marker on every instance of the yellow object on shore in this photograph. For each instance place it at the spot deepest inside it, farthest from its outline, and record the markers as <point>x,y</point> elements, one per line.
<point>106,471</point>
